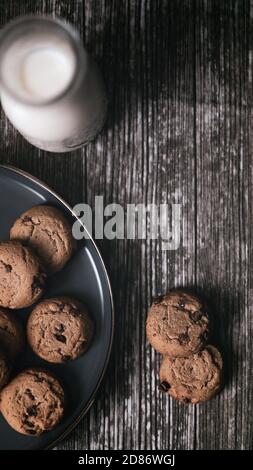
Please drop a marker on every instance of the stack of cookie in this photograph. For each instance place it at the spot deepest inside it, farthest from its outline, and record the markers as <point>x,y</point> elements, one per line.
<point>178,327</point>
<point>58,329</point>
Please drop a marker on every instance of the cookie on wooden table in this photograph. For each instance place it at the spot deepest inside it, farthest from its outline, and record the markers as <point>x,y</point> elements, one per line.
<point>177,324</point>
<point>192,379</point>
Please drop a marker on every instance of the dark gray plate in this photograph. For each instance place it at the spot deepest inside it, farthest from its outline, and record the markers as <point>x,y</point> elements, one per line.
<point>83,277</point>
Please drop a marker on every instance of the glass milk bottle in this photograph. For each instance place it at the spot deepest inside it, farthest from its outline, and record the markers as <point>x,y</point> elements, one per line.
<point>50,89</point>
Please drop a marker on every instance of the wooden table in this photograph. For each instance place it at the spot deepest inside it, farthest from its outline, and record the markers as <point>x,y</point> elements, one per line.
<point>179,75</point>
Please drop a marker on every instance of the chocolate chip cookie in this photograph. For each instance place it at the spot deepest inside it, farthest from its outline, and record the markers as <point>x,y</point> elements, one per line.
<point>33,402</point>
<point>4,370</point>
<point>22,276</point>
<point>11,334</point>
<point>59,329</point>
<point>192,379</point>
<point>47,231</point>
<point>177,324</point>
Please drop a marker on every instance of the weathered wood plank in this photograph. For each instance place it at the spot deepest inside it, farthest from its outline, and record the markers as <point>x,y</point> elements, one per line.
<point>224,208</point>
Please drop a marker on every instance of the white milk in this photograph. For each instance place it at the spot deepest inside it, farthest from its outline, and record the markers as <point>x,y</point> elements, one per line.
<point>51,91</point>
<point>45,72</point>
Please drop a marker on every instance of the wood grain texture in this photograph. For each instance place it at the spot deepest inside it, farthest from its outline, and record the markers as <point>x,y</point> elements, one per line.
<point>179,76</point>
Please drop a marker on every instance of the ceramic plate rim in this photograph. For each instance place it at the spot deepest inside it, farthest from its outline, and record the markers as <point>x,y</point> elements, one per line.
<point>86,408</point>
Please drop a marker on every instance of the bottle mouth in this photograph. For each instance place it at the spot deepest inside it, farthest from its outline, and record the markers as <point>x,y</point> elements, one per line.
<point>41,60</point>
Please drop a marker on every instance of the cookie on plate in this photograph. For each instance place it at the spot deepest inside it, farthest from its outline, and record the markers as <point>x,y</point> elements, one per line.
<point>22,276</point>
<point>59,329</point>
<point>11,334</point>
<point>4,370</point>
<point>192,379</point>
<point>177,324</point>
<point>33,402</point>
<point>47,231</point>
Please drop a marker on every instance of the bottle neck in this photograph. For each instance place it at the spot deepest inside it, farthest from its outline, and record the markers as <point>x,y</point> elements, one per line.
<point>41,61</point>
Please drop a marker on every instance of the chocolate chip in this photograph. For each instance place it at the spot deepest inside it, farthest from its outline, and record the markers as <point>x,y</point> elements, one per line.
<point>183,338</point>
<point>31,431</point>
<point>32,410</point>
<point>38,379</point>
<point>60,328</point>
<point>28,423</point>
<point>76,312</point>
<point>8,268</point>
<point>186,400</point>
<point>60,338</point>
<point>26,218</point>
<point>204,336</point>
<point>164,386</point>
<point>29,394</point>
<point>38,283</point>
<point>196,316</point>
<point>181,303</point>
<point>66,358</point>
<point>158,299</point>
